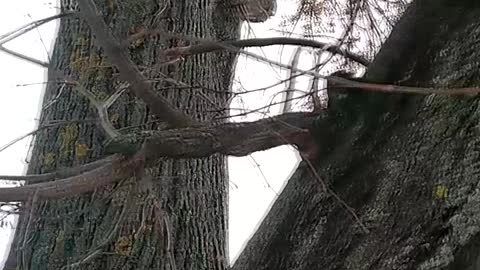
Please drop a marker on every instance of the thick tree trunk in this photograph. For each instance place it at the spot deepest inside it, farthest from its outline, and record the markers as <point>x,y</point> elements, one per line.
<point>115,228</point>
<point>407,165</point>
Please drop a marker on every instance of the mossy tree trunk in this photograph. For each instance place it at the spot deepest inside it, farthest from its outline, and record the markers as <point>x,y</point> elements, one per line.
<point>115,227</point>
<point>408,165</point>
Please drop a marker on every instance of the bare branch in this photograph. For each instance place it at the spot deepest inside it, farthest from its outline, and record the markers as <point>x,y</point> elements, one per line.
<point>210,46</point>
<point>235,139</point>
<point>30,26</point>
<point>118,169</point>
<point>50,125</point>
<point>118,56</point>
<point>291,85</point>
<point>342,83</point>
<point>102,108</point>
<point>24,57</point>
<point>314,85</point>
<point>25,29</point>
<point>262,109</point>
<point>59,174</point>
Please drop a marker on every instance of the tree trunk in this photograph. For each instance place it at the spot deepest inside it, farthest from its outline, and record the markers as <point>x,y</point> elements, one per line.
<point>115,227</point>
<point>407,165</point>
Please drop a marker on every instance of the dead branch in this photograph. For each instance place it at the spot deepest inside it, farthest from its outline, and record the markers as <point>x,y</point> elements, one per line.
<point>118,56</point>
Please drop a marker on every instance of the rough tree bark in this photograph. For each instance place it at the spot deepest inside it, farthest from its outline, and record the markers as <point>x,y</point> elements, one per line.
<point>407,165</point>
<point>115,227</point>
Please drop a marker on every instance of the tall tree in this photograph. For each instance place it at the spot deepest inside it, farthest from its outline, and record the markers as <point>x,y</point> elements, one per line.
<point>401,170</point>
<point>115,227</point>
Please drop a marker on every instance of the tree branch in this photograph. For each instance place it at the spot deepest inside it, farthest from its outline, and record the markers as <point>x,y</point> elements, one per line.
<point>206,46</point>
<point>102,107</point>
<point>234,139</point>
<point>342,83</point>
<point>30,26</point>
<point>59,174</point>
<point>118,56</point>
<point>292,83</point>
<point>24,57</point>
<point>117,169</point>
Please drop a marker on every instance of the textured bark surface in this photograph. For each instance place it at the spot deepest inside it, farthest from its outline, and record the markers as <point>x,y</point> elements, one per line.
<point>118,222</point>
<point>407,165</point>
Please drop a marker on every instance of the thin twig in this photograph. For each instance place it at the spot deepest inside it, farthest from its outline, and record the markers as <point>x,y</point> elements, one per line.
<point>31,205</point>
<point>24,57</point>
<point>102,108</point>
<point>58,174</point>
<point>30,26</point>
<point>291,85</point>
<point>103,175</point>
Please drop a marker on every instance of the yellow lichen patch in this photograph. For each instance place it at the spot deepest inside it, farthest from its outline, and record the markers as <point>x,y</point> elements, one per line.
<point>114,118</point>
<point>49,160</point>
<point>81,150</point>
<point>79,64</point>
<point>441,192</point>
<point>123,245</point>
<point>110,6</point>
<point>97,61</point>
<point>68,135</point>
<point>85,65</point>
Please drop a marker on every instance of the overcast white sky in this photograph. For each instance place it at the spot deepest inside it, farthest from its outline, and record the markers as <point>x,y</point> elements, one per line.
<point>255,180</point>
